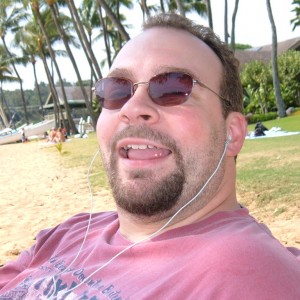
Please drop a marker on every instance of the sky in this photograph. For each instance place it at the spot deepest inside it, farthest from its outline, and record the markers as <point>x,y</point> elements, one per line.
<point>252,27</point>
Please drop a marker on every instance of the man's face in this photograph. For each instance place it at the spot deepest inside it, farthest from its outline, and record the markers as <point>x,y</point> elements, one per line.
<point>157,158</point>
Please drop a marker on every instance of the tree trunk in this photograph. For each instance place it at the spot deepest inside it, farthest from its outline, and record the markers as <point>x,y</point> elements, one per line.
<point>145,9</point>
<point>276,83</point>
<point>2,112</point>
<point>209,14</point>
<point>82,36</point>
<point>162,6</point>
<point>233,25</point>
<point>105,36</point>
<point>3,117</point>
<point>70,54</point>
<point>262,108</point>
<point>180,8</point>
<point>83,46</point>
<point>56,104</point>
<point>37,87</point>
<point>20,81</point>
<point>52,54</point>
<point>114,20</point>
<point>226,22</point>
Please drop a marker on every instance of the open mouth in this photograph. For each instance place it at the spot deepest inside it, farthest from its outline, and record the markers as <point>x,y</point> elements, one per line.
<point>143,152</point>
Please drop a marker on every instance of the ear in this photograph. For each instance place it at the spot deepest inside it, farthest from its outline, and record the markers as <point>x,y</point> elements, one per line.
<point>237,129</point>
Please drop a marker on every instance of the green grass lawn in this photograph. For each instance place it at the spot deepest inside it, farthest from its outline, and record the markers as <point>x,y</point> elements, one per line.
<point>269,171</point>
<point>79,153</point>
<point>269,168</point>
<point>291,123</point>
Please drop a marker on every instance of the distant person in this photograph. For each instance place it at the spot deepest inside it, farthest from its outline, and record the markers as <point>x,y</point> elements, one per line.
<point>64,132</point>
<point>24,138</point>
<point>59,137</point>
<point>260,129</point>
<point>169,132</point>
<point>52,135</point>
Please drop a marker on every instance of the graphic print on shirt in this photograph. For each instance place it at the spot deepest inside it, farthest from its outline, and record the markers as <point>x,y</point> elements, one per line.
<point>54,280</point>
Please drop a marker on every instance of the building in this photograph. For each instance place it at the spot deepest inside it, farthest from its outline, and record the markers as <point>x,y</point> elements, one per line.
<point>75,100</point>
<point>264,53</point>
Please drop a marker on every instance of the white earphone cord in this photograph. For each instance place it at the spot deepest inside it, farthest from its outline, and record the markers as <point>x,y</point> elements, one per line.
<point>144,239</point>
<point>88,225</point>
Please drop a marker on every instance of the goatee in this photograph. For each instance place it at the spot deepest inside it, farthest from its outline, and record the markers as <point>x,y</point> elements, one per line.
<point>148,194</point>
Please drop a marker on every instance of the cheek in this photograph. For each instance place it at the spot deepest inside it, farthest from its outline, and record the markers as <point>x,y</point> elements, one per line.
<point>188,129</point>
<point>105,129</point>
<point>193,127</point>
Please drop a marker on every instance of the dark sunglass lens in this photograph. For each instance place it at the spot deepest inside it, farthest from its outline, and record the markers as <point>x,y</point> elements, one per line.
<point>171,88</point>
<point>113,92</point>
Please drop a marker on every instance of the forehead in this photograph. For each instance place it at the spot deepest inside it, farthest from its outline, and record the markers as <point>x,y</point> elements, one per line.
<point>158,49</point>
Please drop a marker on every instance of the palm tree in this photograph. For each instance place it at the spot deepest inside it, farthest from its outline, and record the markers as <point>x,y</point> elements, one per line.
<point>115,18</point>
<point>162,6</point>
<point>232,41</point>
<point>31,38</point>
<point>5,76</point>
<point>145,9</point>
<point>180,8</point>
<point>209,14</point>
<point>65,40</point>
<point>276,83</point>
<point>35,6</point>
<point>226,22</point>
<point>82,36</point>
<point>197,6</point>
<point>90,18</point>
<point>113,39</point>
<point>296,21</point>
<point>29,53</point>
<point>10,19</point>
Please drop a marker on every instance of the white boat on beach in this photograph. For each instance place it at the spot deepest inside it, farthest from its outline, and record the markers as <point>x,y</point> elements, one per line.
<point>8,136</point>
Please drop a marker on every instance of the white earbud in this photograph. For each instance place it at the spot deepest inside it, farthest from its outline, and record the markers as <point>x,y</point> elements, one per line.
<point>228,140</point>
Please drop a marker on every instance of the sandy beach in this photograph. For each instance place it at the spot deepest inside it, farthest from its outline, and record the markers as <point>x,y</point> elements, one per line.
<point>37,193</point>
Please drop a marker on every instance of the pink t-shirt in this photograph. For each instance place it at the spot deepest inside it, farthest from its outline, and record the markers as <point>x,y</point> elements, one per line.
<point>226,256</point>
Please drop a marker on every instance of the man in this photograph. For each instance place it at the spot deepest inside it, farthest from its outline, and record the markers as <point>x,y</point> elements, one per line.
<point>169,132</point>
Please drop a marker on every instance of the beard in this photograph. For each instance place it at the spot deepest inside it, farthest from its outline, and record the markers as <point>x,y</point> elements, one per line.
<point>143,200</point>
<point>149,195</point>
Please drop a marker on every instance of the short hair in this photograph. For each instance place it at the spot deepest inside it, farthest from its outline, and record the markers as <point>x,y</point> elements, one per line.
<point>230,87</point>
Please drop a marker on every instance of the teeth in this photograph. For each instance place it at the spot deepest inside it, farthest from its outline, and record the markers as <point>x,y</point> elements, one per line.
<point>140,147</point>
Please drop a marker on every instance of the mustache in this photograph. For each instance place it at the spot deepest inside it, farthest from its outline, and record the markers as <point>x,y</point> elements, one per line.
<point>145,132</point>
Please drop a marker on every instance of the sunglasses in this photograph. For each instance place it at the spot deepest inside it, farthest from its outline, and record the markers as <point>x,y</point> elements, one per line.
<point>166,89</point>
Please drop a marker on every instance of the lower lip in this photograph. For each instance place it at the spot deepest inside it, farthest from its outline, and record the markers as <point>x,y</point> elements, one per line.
<point>144,163</point>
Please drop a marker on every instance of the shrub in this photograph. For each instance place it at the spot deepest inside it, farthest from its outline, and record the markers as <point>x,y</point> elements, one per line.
<point>262,117</point>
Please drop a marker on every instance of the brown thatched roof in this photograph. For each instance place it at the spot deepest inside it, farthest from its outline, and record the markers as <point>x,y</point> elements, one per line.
<point>282,47</point>
<point>74,96</point>
<point>263,53</point>
<point>246,56</point>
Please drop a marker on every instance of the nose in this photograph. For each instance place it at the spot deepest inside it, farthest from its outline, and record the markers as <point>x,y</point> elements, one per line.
<point>139,108</point>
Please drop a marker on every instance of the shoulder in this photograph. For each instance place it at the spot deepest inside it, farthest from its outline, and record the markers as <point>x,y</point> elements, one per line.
<point>238,256</point>
<point>73,228</point>
<point>242,238</point>
<point>252,257</point>
<point>80,220</point>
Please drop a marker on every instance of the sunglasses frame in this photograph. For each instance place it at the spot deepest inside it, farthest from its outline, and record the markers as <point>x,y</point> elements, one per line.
<point>134,86</point>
